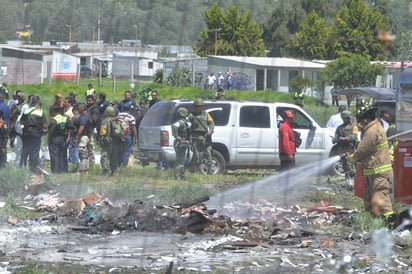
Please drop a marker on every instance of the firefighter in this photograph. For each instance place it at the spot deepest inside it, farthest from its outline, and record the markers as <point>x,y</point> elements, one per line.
<point>373,152</point>
<point>181,133</point>
<point>202,128</point>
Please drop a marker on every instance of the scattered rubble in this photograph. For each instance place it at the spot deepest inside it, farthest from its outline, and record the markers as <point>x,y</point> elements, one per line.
<point>130,236</point>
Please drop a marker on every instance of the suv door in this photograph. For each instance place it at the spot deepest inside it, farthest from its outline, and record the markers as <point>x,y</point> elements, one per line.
<point>255,137</point>
<point>313,140</point>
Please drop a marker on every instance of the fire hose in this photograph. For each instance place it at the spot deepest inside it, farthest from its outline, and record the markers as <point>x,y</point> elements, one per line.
<point>346,154</point>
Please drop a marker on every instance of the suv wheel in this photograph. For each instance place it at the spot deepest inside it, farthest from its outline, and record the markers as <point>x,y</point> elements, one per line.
<point>337,169</point>
<point>218,163</point>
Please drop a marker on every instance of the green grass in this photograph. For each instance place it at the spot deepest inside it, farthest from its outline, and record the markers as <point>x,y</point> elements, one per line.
<point>12,180</point>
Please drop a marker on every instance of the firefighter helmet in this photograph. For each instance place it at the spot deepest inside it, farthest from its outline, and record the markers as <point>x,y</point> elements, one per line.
<point>365,112</point>
<point>182,112</point>
<point>198,102</point>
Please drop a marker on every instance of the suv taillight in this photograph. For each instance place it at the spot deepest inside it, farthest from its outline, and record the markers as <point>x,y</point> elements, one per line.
<point>164,138</point>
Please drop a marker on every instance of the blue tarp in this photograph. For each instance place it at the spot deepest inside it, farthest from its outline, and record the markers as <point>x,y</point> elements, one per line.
<point>380,94</point>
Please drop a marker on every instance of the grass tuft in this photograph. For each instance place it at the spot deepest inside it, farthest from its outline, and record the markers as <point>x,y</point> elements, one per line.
<point>12,179</point>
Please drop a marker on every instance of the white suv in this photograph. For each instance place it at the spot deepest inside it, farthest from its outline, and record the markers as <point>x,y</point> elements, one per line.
<point>246,134</point>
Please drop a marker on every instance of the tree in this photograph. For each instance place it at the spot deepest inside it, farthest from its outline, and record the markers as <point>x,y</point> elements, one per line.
<point>351,71</point>
<point>311,41</point>
<point>278,29</point>
<point>355,31</point>
<point>230,32</point>
<point>299,84</point>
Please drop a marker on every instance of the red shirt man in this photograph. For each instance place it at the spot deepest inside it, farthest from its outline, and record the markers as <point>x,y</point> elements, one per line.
<point>58,101</point>
<point>287,147</point>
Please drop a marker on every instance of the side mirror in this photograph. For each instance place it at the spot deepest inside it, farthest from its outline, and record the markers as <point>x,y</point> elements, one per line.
<point>312,127</point>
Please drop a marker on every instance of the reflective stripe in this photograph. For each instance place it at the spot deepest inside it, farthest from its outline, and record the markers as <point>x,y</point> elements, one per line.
<point>60,119</point>
<point>377,170</point>
<point>381,146</point>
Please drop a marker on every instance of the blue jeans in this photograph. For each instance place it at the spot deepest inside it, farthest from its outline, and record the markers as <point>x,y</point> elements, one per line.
<point>73,152</point>
<point>127,149</point>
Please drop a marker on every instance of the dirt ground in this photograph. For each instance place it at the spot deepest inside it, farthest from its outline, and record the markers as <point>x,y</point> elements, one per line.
<point>292,238</point>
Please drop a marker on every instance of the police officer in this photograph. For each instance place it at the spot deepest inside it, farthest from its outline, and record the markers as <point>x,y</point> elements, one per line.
<point>202,128</point>
<point>299,98</point>
<point>181,133</point>
<point>35,125</point>
<point>373,152</point>
<point>58,139</point>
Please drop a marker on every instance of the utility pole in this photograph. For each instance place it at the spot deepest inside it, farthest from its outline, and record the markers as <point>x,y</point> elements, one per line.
<point>135,44</point>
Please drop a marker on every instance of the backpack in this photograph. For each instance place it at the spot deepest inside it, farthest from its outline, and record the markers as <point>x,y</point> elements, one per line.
<point>298,139</point>
<point>120,127</point>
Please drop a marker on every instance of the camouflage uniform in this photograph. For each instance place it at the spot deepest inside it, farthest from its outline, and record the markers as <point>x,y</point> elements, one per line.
<point>202,127</point>
<point>110,144</point>
<point>181,132</point>
<point>347,139</point>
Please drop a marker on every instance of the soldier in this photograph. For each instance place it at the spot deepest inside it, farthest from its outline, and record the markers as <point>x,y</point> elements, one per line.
<point>346,139</point>
<point>58,139</point>
<point>202,128</point>
<point>181,133</point>
<point>111,144</point>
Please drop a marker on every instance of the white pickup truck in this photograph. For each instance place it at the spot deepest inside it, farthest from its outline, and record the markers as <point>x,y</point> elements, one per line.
<point>246,134</point>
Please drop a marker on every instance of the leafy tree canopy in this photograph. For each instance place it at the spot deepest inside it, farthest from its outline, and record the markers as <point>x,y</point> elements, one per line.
<point>355,31</point>
<point>230,32</point>
<point>311,42</point>
<point>351,71</point>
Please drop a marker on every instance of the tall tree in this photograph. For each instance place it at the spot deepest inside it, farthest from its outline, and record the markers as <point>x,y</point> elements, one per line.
<point>351,71</point>
<point>356,29</point>
<point>311,42</point>
<point>281,25</point>
<point>230,32</point>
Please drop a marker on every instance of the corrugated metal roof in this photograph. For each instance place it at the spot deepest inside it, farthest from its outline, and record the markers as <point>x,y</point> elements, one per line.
<point>272,61</point>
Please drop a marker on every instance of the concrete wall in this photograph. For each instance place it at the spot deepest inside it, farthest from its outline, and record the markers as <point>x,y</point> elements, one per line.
<point>21,71</point>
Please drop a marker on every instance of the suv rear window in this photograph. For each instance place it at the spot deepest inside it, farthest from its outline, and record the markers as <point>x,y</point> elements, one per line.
<point>159,114</point>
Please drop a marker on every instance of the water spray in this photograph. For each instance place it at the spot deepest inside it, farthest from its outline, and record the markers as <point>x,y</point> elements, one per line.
<point>264,189</point>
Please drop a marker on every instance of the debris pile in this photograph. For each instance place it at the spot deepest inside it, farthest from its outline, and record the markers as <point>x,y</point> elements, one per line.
<point>95,213</point>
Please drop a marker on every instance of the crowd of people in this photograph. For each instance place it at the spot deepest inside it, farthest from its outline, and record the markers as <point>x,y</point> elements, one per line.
<point>72,128</point>
<point>221,82</point>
